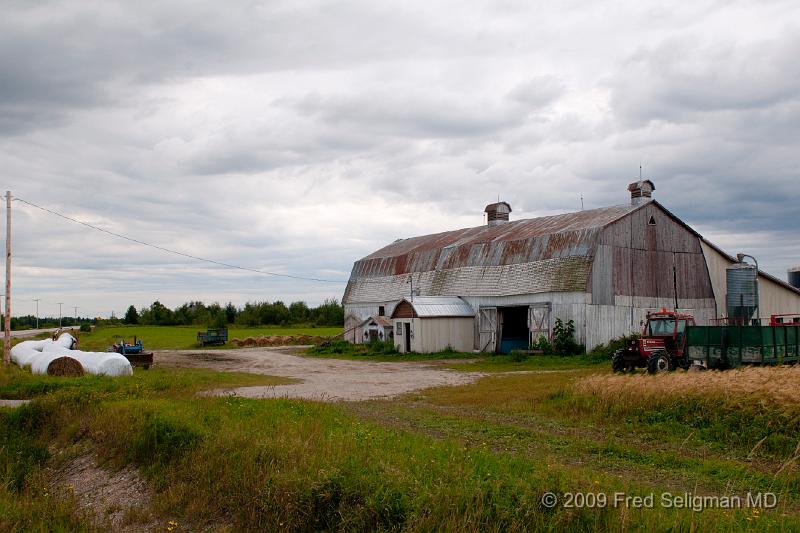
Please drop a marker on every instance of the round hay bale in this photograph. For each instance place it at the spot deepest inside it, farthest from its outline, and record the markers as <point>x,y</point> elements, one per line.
<point>262,341</point>
<point>65,366</point>
<point>236,342</point>
<point>249,341</point>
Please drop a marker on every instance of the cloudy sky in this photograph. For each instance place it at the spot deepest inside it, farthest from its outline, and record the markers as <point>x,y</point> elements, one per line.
<point>297,137</point>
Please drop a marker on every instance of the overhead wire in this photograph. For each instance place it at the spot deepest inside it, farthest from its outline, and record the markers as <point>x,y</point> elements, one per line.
<point>171,251</point>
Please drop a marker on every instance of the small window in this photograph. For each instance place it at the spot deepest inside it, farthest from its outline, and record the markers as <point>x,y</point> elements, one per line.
<point>381,310</point>
<point>398,331</point>
<point>652,221</point>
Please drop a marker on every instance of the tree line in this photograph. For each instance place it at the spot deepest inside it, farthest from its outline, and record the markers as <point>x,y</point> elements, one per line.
<point>329,313</point>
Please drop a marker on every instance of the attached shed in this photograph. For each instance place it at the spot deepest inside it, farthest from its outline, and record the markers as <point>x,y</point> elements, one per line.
<point>427,324</point>
<point>375,328</point>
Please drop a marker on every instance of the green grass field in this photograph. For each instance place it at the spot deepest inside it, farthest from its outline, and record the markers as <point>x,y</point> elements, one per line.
<point>475,457</point>
<point>185,337</point>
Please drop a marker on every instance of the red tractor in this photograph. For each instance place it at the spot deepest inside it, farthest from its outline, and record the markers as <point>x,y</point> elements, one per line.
<point>661,348</point>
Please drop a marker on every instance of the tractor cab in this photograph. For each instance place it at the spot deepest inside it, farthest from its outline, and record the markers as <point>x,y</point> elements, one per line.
<point>665,330</point>
<point>661,347</point>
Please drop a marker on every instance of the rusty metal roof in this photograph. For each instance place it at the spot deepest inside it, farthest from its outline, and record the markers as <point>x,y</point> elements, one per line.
<point>522,241</point>
<point>552,253</point>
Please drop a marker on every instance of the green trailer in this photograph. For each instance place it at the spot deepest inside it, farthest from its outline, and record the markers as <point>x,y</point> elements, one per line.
<point>212,336</point>
<point>733,346</point>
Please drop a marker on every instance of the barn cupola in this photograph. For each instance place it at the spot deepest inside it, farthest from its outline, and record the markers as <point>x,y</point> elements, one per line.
<point>641,191</point>
<point>497,214</point>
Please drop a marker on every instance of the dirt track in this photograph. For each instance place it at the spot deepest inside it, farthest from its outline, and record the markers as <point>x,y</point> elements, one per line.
<point>322,379</point>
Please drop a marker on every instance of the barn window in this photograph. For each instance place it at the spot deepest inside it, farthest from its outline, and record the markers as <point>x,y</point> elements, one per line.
<point>381,310</point>
<point>652,221</point>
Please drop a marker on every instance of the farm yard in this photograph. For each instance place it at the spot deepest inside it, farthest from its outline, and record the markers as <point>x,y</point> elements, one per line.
<point>370,443</point>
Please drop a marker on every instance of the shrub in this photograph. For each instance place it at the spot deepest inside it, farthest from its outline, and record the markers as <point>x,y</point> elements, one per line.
<point>564,338</point>
<point>381,348</point>
<point>544,345</point>
<point>86,328</point>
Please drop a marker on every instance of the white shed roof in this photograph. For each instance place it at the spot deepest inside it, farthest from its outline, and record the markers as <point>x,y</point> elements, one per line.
<point>441,306</point>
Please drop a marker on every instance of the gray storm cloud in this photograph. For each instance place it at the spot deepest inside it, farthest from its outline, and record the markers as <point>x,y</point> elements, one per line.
<point>297,139</point>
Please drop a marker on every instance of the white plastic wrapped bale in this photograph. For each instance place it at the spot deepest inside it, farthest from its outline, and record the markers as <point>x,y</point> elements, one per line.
<point>40,354</point>
<point>22,353</point>
<point>103,363</point>
<point>49,363</point>
<point>67,341</point>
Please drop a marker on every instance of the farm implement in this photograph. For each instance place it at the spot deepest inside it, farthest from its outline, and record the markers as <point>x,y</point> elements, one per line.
<point>218,336</point>
<point>724,347</point>
<point>133,352</point>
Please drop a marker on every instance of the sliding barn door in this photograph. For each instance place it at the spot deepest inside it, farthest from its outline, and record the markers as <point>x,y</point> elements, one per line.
<point>539,321</point>
<point>487,327</point>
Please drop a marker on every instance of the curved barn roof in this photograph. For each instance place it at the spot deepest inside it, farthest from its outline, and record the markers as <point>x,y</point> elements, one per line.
<point>439,306</point>
<point>522,241</point>
<point>525,256</point>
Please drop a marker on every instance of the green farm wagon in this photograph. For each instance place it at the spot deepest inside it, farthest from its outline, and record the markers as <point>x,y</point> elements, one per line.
<point>733,346</point>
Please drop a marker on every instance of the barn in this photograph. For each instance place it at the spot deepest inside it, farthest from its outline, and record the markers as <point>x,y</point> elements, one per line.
<point>602,268</point>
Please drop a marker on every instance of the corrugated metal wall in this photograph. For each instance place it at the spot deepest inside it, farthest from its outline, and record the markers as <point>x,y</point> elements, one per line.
<point>436,334</point>
<point>439,333</point>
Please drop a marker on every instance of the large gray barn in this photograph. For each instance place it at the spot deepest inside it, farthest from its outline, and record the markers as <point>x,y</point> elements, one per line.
<point>603,268</point>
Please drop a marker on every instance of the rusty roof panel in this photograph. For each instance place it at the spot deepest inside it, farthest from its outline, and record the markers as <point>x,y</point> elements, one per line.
<point>550,275</point>
<point>568,235</point>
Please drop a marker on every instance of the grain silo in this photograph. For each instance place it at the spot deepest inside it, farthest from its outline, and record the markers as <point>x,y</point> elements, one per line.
<point>794,277</point>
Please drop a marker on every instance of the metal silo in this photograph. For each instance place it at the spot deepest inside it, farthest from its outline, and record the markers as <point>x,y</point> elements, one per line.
<point>794,277</point>
<point>742,298</point>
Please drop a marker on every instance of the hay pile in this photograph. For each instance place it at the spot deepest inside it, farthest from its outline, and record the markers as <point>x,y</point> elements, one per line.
<point>279,340</point>
<point>65,366</point>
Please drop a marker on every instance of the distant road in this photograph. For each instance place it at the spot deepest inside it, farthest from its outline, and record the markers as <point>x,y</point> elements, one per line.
<point>32,332</point>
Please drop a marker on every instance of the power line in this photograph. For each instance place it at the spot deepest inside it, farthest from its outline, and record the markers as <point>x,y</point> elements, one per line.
<point>170,251</point>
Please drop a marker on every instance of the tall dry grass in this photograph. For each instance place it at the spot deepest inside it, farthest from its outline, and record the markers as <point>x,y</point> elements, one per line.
<point>749,410</point>
<point>773,387</point>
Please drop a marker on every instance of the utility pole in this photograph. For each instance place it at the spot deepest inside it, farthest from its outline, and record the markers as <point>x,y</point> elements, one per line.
<point>7,317</point>
<point>75,307</point>
<point>59,314</point>
<point>37,300</point>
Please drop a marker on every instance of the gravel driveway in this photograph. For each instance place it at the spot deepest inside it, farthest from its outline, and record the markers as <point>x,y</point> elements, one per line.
<point>322,379</point>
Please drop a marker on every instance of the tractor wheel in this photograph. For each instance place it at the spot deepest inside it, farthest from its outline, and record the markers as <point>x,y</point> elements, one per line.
<point>618,363</point>
<point>659,362</point>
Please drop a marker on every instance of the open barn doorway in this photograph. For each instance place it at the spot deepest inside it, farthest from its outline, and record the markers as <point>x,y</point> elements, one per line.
<point>514,331</point>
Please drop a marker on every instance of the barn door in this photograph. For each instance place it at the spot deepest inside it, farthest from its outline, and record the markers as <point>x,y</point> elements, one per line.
<point>487,328</point>
<point>539,321</point>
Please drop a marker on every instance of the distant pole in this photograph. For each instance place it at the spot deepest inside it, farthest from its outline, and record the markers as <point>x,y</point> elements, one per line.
<point>76,312</point>
<point>37,300</point>
<point>7,317</point>
<point>59,314</point>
